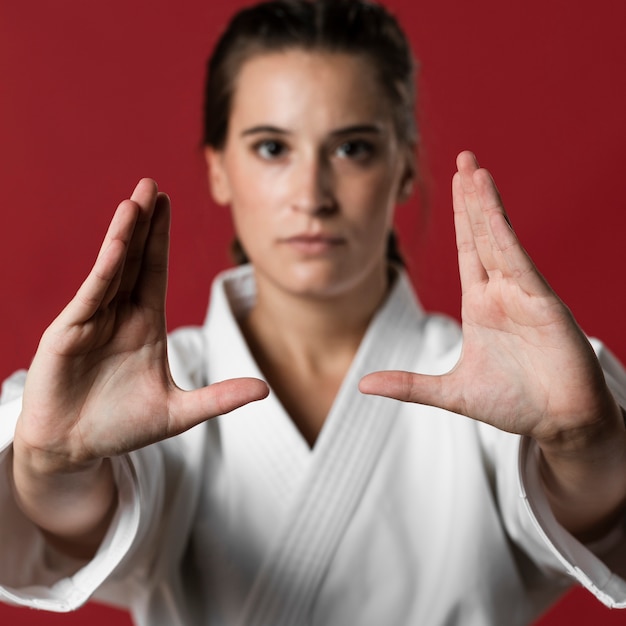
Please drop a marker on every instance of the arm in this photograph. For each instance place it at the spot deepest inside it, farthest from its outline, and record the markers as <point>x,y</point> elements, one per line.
<point>584,480</point>
<point>100,385</point>
<point>526,367</point>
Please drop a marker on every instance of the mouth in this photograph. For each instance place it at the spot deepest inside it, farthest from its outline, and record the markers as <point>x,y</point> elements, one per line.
<point>314,244</point>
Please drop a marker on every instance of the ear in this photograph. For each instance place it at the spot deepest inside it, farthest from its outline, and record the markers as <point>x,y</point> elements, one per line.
<point>405,186</point>
<point>218,179</point>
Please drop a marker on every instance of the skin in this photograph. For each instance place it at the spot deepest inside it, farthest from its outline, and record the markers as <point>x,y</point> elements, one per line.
<point>311,150</point>
<point>100,385</point>
<point>526,366</point>
<point>312,171</point>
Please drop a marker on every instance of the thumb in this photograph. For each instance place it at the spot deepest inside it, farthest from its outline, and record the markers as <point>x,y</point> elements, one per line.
<point>405,386</point>
<point>190,408</point>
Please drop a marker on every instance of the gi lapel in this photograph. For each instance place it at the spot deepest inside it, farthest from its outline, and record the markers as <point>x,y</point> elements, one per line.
<point>260,436</point>
<point>345,455</point>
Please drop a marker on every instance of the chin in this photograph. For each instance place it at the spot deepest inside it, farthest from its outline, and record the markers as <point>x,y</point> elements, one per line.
<point>322,283</point>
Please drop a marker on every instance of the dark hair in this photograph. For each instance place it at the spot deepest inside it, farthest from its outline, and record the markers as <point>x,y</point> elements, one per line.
<point>359,27</point>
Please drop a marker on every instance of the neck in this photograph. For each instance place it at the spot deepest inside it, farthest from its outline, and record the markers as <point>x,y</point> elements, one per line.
<point>309,332</point>
<point>305,345</point>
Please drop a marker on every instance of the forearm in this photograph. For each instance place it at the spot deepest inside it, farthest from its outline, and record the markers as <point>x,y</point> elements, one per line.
<point>73,507</point>
<point>585,479</point>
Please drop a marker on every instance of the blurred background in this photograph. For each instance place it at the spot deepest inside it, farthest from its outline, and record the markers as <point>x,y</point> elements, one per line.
<point>93,96</point>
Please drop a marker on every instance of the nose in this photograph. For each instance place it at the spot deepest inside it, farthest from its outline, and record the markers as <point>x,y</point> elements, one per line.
<point>312,187</point>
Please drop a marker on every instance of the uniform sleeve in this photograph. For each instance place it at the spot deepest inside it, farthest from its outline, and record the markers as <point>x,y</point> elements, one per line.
<point>599,567</point>
<point>33,574</point>
<point>155,502</point>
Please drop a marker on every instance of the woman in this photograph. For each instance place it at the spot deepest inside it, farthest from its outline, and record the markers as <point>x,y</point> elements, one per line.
<point>318,504</point>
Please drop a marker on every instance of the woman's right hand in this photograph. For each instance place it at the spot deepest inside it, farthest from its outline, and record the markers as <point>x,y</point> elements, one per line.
<point>100,383</point>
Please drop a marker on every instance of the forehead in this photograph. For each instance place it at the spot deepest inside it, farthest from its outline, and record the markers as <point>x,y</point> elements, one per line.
<point>298,87</point>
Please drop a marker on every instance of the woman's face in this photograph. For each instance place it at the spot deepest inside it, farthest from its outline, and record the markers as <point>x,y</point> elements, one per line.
<point>312,169</point>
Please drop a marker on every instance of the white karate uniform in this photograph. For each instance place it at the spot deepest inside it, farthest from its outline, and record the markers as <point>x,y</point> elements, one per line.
<point>400,514</point>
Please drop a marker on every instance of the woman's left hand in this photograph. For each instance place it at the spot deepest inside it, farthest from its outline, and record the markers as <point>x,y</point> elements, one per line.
<point>526,366</point>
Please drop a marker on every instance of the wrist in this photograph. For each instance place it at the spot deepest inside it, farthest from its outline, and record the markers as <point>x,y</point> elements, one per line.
<point>72,509</point>
<point>584,477</point>
<point>598,440</point>
<point>44,458</point>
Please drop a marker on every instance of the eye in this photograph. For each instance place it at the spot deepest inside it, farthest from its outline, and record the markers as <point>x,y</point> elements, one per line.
<point>270,149</point>
<point>357,150</point>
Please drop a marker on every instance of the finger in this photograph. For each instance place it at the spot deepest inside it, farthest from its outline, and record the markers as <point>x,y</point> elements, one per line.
<point>151,282</point>
<point>407,387</point>
<point>471,269</point>
<point>93,292</point>
<point>190,408</point>
<point>144,196</point>
<point>515,262</point>
<point>478,218</point>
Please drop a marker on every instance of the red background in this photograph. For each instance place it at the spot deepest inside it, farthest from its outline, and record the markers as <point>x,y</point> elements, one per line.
<point>94,96</point>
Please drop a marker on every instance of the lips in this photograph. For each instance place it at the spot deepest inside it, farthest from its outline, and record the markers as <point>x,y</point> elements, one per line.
<point>314,244</point>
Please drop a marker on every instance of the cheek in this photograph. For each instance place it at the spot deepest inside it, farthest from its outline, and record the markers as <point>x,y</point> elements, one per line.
<point>371,201</point>
<point>252,198</point>
<point>249,225</point>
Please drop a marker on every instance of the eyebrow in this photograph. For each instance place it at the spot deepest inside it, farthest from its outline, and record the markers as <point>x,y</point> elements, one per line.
<point>255,130</point>
<point>347,130</point>
<point>358,129</point>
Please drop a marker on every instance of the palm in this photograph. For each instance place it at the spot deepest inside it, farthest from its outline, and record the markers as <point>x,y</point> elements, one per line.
<point>118,369</point>
<point>525,367</point>
<point>100,383</point>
